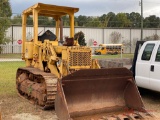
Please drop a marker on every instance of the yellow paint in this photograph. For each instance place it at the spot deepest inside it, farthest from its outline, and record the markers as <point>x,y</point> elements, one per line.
<point>71,25</point>
<point>29,50</point>
<point>109,49</point>
<point>95,64</point>
<point>61,60</point>
<point>24,18</point>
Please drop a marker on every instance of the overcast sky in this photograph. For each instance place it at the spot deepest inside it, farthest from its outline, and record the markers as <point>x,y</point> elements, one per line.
<point>95,7</point>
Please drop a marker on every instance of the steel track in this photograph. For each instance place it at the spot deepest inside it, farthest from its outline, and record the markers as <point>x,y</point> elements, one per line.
<point>37,86</point>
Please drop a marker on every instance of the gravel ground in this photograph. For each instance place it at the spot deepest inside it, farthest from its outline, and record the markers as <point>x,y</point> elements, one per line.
<point>9,59</point>
<point>16,108</point>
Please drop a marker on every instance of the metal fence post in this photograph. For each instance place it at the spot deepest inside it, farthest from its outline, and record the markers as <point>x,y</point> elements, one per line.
<point>130,39</point>
<point>103,36</point>
<point>12,38</point>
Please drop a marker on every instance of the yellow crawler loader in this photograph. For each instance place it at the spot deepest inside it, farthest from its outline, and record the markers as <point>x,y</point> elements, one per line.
<point>63,74</point>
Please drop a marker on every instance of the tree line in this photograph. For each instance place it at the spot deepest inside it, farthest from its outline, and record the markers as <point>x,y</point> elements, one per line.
<point>5,14</point>
<point>110,19</point>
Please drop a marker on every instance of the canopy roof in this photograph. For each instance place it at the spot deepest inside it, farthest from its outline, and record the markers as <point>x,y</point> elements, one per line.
<point>50,10</point>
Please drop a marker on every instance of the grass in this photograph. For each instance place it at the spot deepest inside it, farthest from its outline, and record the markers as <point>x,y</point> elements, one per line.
<point>8,77</point>
<point>9,55</point>
<point>112,56</point>
<point>95,57</point>
<point>8,71</point>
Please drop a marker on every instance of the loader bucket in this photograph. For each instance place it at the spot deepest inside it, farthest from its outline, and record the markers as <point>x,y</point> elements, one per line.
<point>95,93</point>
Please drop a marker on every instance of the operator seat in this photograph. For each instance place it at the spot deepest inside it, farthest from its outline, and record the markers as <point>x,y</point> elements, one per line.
<point>47,35</point>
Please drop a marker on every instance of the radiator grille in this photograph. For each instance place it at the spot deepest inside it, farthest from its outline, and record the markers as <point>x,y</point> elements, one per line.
<point>80,58</point>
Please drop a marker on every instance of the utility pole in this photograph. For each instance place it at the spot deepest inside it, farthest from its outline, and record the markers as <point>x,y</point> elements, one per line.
<point>141,4</point>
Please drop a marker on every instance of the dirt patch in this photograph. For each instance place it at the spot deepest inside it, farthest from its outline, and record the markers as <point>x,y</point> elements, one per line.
<point>25,116</point>
<point>15,108</point>
<point>151,100</point>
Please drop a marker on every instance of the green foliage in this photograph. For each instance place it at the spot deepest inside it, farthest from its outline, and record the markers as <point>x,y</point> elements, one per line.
<point>110,19</point>
<point>17,20</point>
<point>42,20</point>
<point>93,22</point>
<point>81,38</point>
<point>5,14</point>
<point>65,21</point>
<point>152,22</point>
<point>135,19</point>
<point>29,20</point>
<point>104,20</point>
<point>82,20</point>
<point>123,21</point>
<point>5,10</point>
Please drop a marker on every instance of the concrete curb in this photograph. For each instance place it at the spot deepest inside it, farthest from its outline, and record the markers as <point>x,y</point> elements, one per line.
<point>6,60</point>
